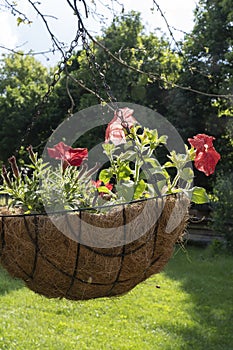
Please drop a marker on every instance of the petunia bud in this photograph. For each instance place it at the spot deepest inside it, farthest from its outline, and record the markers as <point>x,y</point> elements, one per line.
<point>14,166</point>
<point>82,171</point>
<point>6,177</point>
<point>93,170</point>
<point>31,154</point>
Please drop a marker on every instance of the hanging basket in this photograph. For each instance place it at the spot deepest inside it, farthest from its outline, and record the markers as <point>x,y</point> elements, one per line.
<point>33,249</point>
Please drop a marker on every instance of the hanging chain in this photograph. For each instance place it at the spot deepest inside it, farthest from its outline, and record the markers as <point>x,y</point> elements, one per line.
<point>94,67</point>
<point>96,70</point>
<point>56,77</point>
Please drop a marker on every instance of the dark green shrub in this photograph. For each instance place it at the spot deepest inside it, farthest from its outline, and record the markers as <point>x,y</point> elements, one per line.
<point>223,208</point>
<point>216,248</point>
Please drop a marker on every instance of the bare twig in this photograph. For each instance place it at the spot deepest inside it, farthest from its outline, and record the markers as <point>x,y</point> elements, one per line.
<point>55,41</point>
<point>178,47</point>
<point>81,83</point>
<point>28,53</point>
<point>71,109</point>
<point>15,11</point>
<point>168,27</point>
<point>81,28</point>
<point>153,76</point>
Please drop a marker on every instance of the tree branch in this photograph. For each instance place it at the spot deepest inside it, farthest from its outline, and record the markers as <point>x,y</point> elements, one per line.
<point>15,11</point>
<point>82,85</point>
<point>83,31</point>
<point>55,41</point>
<point>152,76</point>
<point>28,53</point>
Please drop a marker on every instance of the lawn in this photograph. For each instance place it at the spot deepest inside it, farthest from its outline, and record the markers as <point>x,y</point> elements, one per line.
<point>188,306</point>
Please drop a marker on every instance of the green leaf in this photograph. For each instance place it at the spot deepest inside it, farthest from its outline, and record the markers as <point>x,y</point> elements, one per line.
<point>105,175</point>
<point>140,188</point>
<point>151,190</point>
<point>163,139</point>
<point>109,148</point>
<point>126,190</point>
<point>154,162</point>
<point>19,21</point>
<point>192,153</point>
<point>169,165</point>
<point>197,195</point>
<point>128,155</point>
<point>162,186</point>
<point>103,189</point>
<point>187,174</point>
<point>69,62</point>
<point>124,172</point>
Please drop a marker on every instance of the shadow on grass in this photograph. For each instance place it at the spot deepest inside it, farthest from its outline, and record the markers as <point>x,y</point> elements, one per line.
<point>209,284</point>
<point>7,283</point>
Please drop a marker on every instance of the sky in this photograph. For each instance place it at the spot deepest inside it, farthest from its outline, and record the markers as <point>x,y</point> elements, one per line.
<point>178,13</point>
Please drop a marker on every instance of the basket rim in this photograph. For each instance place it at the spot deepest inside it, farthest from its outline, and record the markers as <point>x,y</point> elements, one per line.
<point>176,195</point>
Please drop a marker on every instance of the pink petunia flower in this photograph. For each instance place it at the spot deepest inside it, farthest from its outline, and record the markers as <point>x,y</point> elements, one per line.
<point>123,119</point>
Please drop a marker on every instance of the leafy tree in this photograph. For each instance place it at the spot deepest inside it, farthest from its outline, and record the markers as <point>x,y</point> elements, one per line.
<point>126,39</point>
<point>96,69</point>
<point>207,67</point>
<point>23,81</point>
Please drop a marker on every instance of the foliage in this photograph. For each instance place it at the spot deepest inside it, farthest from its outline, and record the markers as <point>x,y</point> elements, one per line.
<point>223,207</point>
<point>126,39</point>
<point>207,67</point>
<point>146,177</point>
<point>40,185</point>
<point>134,171</point>
<point>205,64</point>
<point>216,248</point>
<point>191,309</point>
<point>23,81</point>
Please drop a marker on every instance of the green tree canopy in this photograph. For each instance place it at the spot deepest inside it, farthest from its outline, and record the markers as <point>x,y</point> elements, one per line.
<point>207,67</point>
<point>127,40</point>
<point>23,81</point>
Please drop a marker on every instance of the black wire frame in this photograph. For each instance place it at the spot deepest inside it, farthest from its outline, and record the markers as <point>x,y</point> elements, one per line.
<point>95,209</point>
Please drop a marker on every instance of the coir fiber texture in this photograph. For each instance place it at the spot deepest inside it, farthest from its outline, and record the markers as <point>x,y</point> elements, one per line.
<point>99,255</point>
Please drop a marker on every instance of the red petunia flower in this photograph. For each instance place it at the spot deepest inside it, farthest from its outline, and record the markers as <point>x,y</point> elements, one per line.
<point>206,157</point>
<point>201,141</point>
<point>68,155</point>
<point>99,183</point>
<point>123,118</point>
<point>14,166</point>
<point>206,161</point>
<point>109,186</point>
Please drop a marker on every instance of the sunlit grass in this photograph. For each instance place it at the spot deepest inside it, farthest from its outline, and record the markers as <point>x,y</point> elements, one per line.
<point>192,309</point>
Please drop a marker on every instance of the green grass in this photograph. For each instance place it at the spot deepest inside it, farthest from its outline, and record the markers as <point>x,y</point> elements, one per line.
<point>192,309</point>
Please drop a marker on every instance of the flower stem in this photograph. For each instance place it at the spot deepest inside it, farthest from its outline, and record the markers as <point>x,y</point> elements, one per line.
<point>176,179</point>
